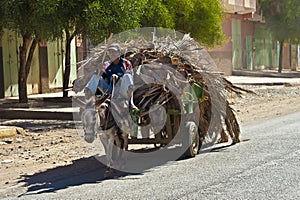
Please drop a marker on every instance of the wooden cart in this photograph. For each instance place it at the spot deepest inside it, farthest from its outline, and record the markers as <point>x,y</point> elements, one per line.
<point>179,126</point>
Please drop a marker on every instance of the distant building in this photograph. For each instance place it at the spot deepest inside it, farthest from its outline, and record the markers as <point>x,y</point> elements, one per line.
<point>250,45</point>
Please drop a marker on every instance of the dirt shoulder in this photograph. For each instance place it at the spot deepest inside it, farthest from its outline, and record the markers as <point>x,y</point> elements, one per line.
<point>49,144</point>
<point>45,145</point>
<point>267,102</point>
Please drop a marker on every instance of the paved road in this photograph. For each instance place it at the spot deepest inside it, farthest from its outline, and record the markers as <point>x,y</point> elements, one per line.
<point>265,166</point>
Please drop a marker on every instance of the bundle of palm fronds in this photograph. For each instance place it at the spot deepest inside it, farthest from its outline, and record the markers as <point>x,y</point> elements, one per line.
<point>162,69</point>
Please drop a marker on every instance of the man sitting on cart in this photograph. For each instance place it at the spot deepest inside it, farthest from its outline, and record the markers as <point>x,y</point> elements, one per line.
<point>116,70</point>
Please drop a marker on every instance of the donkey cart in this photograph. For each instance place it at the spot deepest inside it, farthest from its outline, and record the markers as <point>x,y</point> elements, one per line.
<point>169,111</point>
<point>180,96</point>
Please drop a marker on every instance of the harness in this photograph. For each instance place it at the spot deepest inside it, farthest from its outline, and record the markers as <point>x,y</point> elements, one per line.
<point>109,120</point>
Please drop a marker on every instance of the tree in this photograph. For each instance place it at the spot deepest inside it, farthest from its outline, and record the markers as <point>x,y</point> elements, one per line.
<point>95,19</point>
<point>69,20</point>
<point>157,14</point>
<point>201,18</point>
<point>282,18</point>
<point>38,20</point>
<point>29,21</point>
<point>113,16</point>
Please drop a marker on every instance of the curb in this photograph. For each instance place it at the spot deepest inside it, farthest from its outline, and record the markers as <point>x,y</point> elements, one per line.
<point>271,84</point>
<point>43,115</point>
<point>269,81</point>
<point>271,74</point>
<point>10,131</point>
<point>292,84</point>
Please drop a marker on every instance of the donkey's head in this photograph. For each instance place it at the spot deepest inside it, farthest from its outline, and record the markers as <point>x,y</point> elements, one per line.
<point>89,122</point>
<point>93,120</point>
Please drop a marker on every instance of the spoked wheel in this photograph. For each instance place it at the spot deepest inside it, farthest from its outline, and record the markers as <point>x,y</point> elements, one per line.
<point>191,140</point>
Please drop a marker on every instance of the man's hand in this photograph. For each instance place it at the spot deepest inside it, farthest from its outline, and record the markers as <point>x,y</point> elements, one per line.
<point>115,78</point>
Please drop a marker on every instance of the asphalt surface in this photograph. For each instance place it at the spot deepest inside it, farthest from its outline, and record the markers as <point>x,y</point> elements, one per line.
<point>264,166</point>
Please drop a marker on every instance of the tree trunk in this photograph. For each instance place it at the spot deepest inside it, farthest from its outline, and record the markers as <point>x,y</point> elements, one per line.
<point>22,87</point>
<point>67,66</point>
<point>280,57</point>
<point>30,56</point>
<point>25,63</point>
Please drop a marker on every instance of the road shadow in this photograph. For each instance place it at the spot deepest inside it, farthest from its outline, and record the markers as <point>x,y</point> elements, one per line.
<point>223,147</point>
<point>90,171</point>
<point>82,171</point>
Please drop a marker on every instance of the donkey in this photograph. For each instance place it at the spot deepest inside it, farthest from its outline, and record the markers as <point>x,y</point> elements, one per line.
<point>114,140</point>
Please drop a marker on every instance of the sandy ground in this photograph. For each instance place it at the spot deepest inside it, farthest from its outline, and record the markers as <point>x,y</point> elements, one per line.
<point>49,144</point>
<point>267,102</point>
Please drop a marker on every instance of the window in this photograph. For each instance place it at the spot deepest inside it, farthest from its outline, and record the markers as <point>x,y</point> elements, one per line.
<point>232,2</point>
<point>247,3</point>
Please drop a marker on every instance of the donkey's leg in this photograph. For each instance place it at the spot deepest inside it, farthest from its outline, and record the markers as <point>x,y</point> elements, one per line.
<point>109,155</point>
<point>125,139</point>
<point>224,137</point>
<point>118,150</point>
<point>104,137</point>
<point>125,147</point>
<point>110,150</point>
<point>104,141</point>
<point>122,143</point>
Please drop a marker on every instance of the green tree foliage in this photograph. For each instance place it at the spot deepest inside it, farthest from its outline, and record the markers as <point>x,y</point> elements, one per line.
<point>37,20</point>
<point>157,14</point>
<point>28,21</point>
<point>282,19</point>
<point>95,19</point>
<point>201,18</point>
<point>206,22</point>
<point>69,20</point>
<point>112,16</point>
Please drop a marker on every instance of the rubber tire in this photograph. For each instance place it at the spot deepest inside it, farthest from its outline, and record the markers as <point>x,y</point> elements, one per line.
<point>191,140</point>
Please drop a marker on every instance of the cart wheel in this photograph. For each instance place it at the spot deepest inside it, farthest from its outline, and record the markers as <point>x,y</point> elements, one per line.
<point>191,140</point>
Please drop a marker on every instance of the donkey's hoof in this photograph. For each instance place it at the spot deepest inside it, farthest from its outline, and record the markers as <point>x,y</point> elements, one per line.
<point>108,173</point>
<point>222,140</point>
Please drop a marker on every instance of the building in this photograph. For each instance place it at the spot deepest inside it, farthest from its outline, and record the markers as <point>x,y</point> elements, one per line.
<point>250,46</point>
<point>46,73</point>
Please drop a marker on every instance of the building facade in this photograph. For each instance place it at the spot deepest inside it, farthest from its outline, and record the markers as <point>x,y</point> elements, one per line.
<point>46,73</point>
<point>250,46</point>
